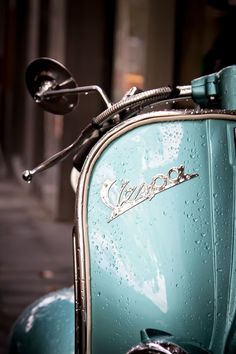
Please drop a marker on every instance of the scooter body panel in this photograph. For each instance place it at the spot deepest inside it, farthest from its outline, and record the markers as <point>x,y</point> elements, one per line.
<point>162,255</point>
<point>46,326</point>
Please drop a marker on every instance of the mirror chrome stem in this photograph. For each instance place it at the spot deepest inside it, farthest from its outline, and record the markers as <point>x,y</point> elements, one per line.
<point>80,90</point>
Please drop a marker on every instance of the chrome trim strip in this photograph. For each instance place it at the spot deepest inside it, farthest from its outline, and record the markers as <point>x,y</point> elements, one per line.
<point>83,291</point>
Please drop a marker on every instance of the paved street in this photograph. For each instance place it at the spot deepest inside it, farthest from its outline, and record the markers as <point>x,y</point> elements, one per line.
<point>35,254</point>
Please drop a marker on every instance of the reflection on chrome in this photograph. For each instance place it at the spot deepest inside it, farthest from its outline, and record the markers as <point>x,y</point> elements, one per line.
<point>157,347</point>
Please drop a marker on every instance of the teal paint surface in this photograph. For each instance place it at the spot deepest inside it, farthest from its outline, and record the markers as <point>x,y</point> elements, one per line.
<point>168,263</point>
<point>46,326</point>
<point>218,89</point>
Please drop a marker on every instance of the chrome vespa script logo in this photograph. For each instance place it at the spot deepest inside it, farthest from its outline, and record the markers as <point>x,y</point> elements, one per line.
<point>128,197</point>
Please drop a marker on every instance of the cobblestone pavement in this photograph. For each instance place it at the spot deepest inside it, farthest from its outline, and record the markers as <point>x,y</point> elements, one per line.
<point>35,254</point>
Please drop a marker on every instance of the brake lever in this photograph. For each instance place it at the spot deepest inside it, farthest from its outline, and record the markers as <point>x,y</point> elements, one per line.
<point>89,134</point>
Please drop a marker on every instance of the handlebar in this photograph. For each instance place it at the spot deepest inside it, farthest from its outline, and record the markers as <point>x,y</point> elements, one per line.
<point>93,131</point>
<point>218,88</point>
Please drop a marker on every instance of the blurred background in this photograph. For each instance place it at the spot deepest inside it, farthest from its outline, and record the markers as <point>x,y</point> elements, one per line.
<point>112,43</point>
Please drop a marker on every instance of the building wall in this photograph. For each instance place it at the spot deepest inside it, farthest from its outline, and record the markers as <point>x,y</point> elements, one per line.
<point>145,45</point>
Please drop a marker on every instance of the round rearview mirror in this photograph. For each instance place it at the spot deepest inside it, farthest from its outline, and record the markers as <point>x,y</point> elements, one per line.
<point>45,75</point>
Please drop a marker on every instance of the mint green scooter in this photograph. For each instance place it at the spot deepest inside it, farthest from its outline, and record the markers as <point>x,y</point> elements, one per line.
<point>154,236</point>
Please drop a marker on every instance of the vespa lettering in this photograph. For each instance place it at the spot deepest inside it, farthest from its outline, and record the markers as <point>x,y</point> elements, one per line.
<point>127,197</point>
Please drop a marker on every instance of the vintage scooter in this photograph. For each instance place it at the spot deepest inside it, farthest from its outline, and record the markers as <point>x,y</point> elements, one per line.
<point>154,236</point>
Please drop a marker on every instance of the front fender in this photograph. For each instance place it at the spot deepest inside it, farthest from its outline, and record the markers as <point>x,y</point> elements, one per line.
<point>46,326</point>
